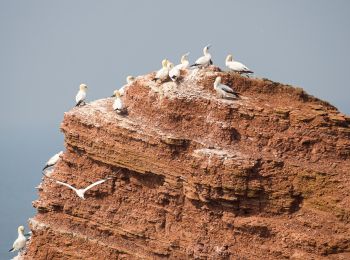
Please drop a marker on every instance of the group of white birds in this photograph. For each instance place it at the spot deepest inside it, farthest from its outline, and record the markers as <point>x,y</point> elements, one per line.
<point>167,71</point>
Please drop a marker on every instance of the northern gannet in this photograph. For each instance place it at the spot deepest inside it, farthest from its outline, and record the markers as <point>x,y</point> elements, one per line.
<point>236,66</point>
<point>184,62</point>
<point>162,74</point>
<point>20,242</point>
<point>174,72</point>
<point>118,105</point>
<point>53,160</point>
<point>80,97</point>
<point>224,91</point>
<point>81,192</point>
<point>129,80</point>
<point>205,60</point>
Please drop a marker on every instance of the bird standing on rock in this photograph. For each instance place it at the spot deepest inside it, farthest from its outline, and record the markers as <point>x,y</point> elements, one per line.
<point>81,95</point>
<point>20,242</point>
<point>174,72</point>
<point>118,104</point>
<point>53,160</point>
<point>224,91</point>
<point>163,73</point>
<point>184,62</point>
<point>236,66</point>
<point>129,80</point>
<point>205,60</point>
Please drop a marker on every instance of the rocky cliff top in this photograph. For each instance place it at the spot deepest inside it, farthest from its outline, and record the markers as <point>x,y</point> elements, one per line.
<point>197,176</point>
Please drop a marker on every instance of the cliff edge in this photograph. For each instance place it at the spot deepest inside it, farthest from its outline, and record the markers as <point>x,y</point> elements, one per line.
<point>200,177</point>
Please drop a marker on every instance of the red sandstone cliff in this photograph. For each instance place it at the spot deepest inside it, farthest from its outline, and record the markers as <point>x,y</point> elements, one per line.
<point>198,177</point>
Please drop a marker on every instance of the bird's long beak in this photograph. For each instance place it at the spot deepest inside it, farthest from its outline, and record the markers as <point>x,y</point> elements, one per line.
<point>113,95</point>
<point>208,46</point>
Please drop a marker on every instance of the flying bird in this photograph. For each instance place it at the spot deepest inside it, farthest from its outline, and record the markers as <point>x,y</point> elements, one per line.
<point>162,74</point>
<point>20,242</point>
<point>81,95</point>
<point>53,160</point>
<point>205,60</point>
<point>174,72</point>
<point>129,80</point>
<point>224,91</point>
<point>236,66</point>
<point>81,192</point>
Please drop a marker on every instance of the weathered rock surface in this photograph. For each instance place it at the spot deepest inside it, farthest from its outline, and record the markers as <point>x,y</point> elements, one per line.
<point>198,177</point>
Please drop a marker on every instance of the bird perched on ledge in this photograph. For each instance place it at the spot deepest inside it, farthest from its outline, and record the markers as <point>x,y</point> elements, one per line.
<point>174,72</point>
<point>224,91</point>
<point>205,60</point>
<point>81,95</point>
<point>184,62</point>
<point>118,104</point>
<point>53,160</point>
<point>236,66</point>
<point>162,74</point>
<point>129,80</point>
<point>20,242</point>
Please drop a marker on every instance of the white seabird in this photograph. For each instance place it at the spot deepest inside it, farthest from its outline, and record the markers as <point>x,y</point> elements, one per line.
<point>20,242</point>
<point>81,192</point>
<point>236,66</point>
<point>118,104</point>
<point>81,95</point>
<point>53,160</point>
<point>205,60</point>
<point>224,91</point>
<point>184,62</point>
<point>174,72</point>
<point>162,74</point>
<point>129,80</point>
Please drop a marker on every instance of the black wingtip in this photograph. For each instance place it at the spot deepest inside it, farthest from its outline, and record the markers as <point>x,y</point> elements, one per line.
<point>79,103</point>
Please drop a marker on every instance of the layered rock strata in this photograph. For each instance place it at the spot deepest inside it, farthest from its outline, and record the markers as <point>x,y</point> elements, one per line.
<point>195,176</point>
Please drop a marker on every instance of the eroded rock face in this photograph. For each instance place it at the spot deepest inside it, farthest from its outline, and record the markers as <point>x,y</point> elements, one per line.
<point>195,176</point>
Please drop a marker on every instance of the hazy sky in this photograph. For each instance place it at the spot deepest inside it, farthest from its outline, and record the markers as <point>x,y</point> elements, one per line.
<point>47,48</point>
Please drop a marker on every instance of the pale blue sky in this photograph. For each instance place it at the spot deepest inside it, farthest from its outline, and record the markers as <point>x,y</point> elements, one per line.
<point>47,48</point>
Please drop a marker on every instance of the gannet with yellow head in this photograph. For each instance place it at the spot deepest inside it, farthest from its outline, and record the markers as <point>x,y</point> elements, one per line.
<point>81,95</point>
<point>118,104</point>
<point>129,80</point>
<point>236,66</point>
<point>205,60</point>
<point>184,62</point>
<point>162,74</point>
<point>224,91</point>
<point>20,242</point>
